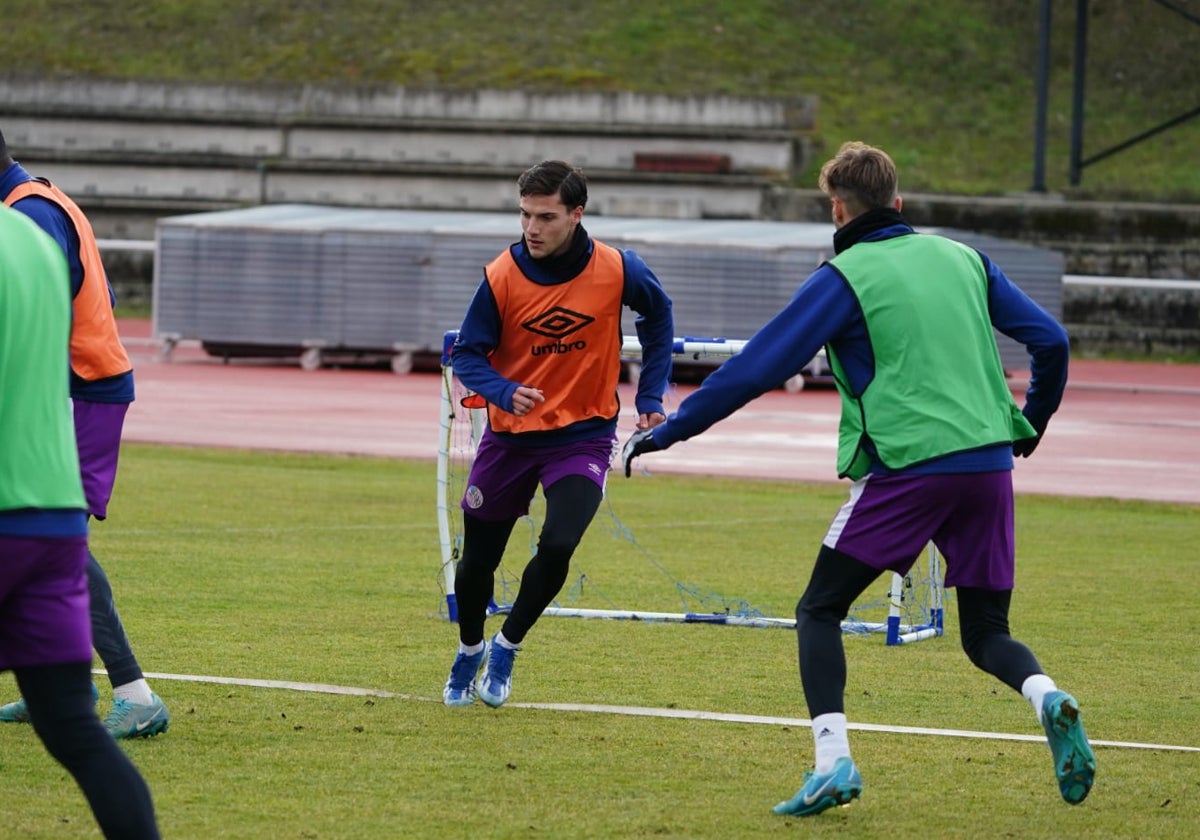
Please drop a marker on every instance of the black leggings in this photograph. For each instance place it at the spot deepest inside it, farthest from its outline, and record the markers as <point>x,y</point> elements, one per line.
<point>838,580</point>
<point>108,634</point>
<point>63,715</point>
<point>571,503</point>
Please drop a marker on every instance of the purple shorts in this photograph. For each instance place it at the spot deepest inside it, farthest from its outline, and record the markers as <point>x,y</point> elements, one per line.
<point>44,616</point>
<point>888,520</point>
<point>504,477</point>
<point>98,437</point>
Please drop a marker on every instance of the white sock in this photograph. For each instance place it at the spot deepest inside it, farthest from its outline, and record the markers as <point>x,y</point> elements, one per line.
<point>505,643</point>
<point>137,691</point>
<point>832,742</point>
<point>1035,689</point>
<point>470,650</point>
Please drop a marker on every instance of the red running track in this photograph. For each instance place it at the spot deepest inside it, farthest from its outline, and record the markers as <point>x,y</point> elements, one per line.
<point>1125,429</point>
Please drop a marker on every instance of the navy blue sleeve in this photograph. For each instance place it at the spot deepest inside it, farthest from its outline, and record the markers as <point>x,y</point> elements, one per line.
<point>477,338</point>
<point>822,309</point>
<point>1020,318</point>
<point>655,326</point>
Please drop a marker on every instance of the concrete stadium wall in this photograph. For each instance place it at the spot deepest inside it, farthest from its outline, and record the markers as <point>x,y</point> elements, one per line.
<point>128,149</point>
<point>1133,315</point>
<point>134,152</point>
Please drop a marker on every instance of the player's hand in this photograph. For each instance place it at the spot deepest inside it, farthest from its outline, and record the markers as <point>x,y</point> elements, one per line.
<point>649,421</point>
<point>1024,448</point>
<point>641,442</point>
<point>525,398</point>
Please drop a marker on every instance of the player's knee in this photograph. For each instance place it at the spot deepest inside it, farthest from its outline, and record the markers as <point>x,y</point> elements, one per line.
<point>476,565</point>
<point>973,648</point>
<point>557,549</point>
<point>983,627</point>
<point>809,612</point>
<point>982,644</point>
<point>558,540</point>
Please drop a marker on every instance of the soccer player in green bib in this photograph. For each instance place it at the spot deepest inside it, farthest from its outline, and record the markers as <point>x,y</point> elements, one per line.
<point>928,434</point>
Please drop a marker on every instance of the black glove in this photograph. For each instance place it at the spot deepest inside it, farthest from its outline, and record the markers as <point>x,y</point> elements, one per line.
<point>641,442</point>
<point>1024,447</point>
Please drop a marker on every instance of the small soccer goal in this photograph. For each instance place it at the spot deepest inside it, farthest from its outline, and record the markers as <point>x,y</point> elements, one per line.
<point>909,610</point>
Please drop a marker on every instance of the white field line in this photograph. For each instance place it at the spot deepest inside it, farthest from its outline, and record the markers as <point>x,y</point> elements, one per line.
<point>639,711</point>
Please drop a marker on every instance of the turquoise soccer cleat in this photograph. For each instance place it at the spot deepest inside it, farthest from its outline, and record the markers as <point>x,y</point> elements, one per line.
<point>137,720</point>
<point>18,712</point>
<point>15,712</point>
<point>1074,761</point>
<point>821,791</point>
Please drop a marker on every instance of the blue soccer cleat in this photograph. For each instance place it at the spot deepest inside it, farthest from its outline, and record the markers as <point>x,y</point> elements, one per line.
<point>821,791</point>
<point>137,720</point>
<point>495,682</point>
<point>1074,761</point>
<point>460,686</point>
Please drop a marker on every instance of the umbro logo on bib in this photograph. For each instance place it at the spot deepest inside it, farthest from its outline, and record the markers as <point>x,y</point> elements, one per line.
<point>557,323</point>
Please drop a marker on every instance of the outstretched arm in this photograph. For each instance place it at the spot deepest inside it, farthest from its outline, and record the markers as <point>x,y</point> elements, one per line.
<point>820,310</point>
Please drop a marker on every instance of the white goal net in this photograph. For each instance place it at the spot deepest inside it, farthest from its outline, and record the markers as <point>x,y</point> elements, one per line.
<point>909,610</point>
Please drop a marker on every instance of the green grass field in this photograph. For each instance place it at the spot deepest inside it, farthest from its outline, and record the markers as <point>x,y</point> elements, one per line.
<point>317,569</point>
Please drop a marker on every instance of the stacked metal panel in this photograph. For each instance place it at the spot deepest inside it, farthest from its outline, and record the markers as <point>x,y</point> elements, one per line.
<point>293,276</point>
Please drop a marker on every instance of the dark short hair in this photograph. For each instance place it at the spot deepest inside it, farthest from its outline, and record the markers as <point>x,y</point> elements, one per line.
<point>3,146</point>
<point>555,177</point>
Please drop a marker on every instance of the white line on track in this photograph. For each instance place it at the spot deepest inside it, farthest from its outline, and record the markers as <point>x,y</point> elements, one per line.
<point>640,711</point>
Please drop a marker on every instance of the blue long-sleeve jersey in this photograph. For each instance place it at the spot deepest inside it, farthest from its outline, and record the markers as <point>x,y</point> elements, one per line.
<point>824,311</point>
<point>481,328</point>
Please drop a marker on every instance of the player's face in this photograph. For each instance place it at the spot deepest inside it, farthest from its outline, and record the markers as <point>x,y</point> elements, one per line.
<point>548,225</point>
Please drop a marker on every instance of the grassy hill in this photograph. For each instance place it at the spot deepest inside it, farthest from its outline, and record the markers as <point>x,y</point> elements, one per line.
<point>948,87</point>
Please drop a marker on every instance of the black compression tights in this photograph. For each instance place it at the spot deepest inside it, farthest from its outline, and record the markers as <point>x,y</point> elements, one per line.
<point>983,619</point>
<point>571,503</point>
<point>838,580</point>
<point>63,714</point>
<point>108,633</point>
